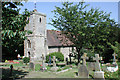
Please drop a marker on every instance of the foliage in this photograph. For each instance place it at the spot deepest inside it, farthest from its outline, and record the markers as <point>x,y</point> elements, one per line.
<point>26,60</point>
<point>111,75</point>
<point>86,29</point>
<point>59,56</point>
<point>13,33</point>
<point>116,48</point>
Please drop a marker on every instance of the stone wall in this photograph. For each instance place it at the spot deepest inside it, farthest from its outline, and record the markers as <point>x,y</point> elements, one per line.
<point>64,50</point>
<point>37,24</point>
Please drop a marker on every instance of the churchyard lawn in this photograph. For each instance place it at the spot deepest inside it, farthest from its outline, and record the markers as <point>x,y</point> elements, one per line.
<point>21,70</point>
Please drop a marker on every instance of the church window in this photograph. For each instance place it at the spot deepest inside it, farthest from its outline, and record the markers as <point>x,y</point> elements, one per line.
<point>29,44</point>
<point>40,20</point>
<point>29,54</point>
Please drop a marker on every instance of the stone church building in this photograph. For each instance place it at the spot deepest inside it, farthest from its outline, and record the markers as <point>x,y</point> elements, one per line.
<point>43,41</point>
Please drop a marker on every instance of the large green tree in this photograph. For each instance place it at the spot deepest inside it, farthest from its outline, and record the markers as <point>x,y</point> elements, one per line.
<point>13,33</point>
<point>85,28</point>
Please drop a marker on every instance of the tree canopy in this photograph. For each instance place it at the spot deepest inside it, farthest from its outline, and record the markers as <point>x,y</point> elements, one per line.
<point>90,29</point>
<point>13,33</point>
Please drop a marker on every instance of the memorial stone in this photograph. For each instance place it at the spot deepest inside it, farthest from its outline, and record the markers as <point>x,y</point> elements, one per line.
<point>83,72</point>
<point>84,57</point>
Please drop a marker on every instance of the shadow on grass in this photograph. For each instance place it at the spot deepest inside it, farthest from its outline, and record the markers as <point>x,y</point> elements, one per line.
<point>16,74</point>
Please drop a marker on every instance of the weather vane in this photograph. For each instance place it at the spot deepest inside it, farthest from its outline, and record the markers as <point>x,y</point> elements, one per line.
<point>35,4</point>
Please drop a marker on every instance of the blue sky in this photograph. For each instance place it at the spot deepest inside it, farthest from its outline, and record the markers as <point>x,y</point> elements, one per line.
<point>47,7</point>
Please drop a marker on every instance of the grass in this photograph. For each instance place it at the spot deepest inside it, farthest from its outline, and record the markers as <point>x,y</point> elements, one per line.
<point>68,74</point>
<point>14,65</point>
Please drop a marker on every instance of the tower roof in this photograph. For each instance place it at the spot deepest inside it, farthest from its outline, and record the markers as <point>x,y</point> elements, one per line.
<point>38,13</point>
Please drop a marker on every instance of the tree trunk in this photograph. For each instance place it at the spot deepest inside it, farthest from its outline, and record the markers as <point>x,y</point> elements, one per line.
<point>78,51</point>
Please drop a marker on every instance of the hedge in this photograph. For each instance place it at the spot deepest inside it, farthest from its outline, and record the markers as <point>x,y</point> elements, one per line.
<point>59,56</point>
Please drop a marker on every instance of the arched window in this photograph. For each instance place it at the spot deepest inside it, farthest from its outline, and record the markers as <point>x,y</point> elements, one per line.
<point>40,20</point>
<point>29,54</point>
<point>29,44</point>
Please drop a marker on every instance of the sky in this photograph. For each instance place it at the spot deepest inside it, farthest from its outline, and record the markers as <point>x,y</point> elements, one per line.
<point>47,7</point>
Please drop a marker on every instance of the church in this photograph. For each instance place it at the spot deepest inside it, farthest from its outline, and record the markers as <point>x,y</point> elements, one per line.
<point>43,41</point>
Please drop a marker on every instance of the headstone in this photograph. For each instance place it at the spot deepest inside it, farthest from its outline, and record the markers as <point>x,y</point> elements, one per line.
<point>11,70</point>
<point>97,64</point>
<point>54,68</point>
<point>114,58</point>
<point>84,57</point>
<point>54,64</point>
<point>91,66</point>
<point>98,73</point>
<point>82,71</point>
<point>31,65</point>
<point>43,63</point>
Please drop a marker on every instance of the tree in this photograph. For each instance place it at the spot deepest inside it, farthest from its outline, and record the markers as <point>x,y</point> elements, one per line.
<point>116,48</point>
<point>13,33</point>
<point>86,29</point>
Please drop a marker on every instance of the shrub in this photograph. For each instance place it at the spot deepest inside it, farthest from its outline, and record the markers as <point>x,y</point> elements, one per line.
<point>59,56</point>
<point>26,60</point>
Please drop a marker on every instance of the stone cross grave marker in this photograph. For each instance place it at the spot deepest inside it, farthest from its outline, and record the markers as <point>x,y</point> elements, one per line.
<point>54,64</point>
<point>84,57</point>
<point>82,71</point>
<point>31,65</point>
<point>97,64</point>
<point>114,57</point>
<point>43,63</point>
<point>54,68</point>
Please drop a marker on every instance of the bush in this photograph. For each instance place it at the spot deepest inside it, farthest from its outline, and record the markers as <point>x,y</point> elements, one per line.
<point>26,60</point>
<point>59,56</point>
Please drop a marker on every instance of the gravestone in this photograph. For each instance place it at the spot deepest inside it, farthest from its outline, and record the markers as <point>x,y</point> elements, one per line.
<point>54,59</point>
<point>54,68</point>
<point>43,63</point>
<point>97,64</point>
<point>91,66</point>
<point>114,58</point>
<point>31,66</point>
<point>84,57</point>
<point>98,73</point>
<point>11,70</point>
<point>82,71</point>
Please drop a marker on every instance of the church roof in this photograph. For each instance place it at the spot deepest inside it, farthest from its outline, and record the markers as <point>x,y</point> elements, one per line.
<point>55,38</point>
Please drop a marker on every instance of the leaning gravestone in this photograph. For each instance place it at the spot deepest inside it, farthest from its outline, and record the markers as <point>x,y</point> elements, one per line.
<point>31,66</point>
<point>83,72</point>
<point>54,68</point>
<point>98,73</point>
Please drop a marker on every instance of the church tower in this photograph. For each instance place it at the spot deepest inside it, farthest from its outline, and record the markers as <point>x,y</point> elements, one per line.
<point>36,43</point>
